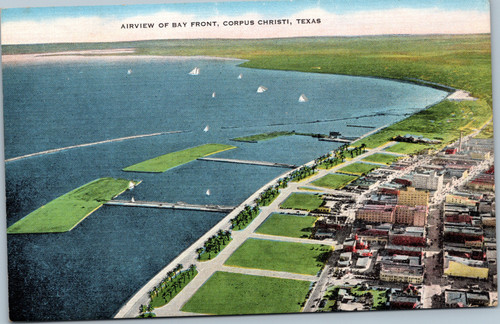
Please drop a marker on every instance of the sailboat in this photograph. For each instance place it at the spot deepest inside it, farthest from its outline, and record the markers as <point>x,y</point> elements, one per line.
<point>213,95</point>
<point>303,98</point>
<point>261,89</point>
<point>206,129</point>
<point>132,199</point>
<point>129,72</point>
<point>240,76</point>
<point>208,192</point>
<point>195,71</point>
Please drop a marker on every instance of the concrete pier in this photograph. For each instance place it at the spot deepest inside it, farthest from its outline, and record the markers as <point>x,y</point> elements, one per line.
<point>263,163</point>
<point>167,205</point>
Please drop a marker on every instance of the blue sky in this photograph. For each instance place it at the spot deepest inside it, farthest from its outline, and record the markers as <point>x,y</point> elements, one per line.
<point>338,18</point>
<point>268,8</point>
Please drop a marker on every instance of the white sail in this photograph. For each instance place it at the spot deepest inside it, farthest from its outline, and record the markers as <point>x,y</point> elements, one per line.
<point>303,98</point>
<point>240,76</point>
<point>195,71</point>
<point>129,72</point>
<point>206,129</point>
<point>261,89</point>
<point>213,95</point>
<point>132,200</point>
<point>208,192</point>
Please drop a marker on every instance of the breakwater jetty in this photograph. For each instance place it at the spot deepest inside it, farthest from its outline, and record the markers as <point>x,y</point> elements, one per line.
<point>167,205</point>
<point>262,163</point>
<point>87,144</point>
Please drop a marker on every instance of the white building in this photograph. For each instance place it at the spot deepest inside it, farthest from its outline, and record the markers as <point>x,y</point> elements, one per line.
<point>428,180</point>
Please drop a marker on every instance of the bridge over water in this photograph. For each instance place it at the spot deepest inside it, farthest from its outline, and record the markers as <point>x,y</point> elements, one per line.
<point>167,205</point>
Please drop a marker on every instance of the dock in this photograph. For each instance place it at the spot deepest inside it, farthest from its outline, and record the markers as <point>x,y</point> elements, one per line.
<point>262,163</point>
<point>337,140</point>
<point>167,205</point>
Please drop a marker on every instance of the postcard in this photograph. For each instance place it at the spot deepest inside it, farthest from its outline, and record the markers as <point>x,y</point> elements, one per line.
<point>235,158</point>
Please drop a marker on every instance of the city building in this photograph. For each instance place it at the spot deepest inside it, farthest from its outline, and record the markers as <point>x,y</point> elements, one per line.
<point>415,216</point>
<point>412,197</point>
<point>376,213</point>
<point>428,180</point>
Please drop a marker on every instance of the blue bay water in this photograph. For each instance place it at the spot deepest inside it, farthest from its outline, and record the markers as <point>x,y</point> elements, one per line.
<point>89,272</point>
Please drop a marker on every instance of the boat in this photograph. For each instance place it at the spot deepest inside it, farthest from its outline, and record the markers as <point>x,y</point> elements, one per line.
<point>132,199</point>
<point>195,71</point>
<point>213,95</point>
<point>129,72</point>
<point>208,192</point>
<point>206,129</point>
<point>303,98</point>
<point>240,76</point>
<point>261,89</point>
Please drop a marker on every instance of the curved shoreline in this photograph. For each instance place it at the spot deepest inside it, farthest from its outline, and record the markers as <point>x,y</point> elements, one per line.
<point>188,256</point>
<point>188,253</point>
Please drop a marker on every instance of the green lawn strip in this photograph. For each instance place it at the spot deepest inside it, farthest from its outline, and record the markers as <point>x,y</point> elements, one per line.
<point>334,181</point>
<point>302,201</point>
<point>382,158</point>
<point>227,293</point>
<point>171,286</point>
<point>262,137</point>
<point>66,211</point>
<point>407,148</point>
<point>301,258</point>
<point>170,160</point>
<point>287,225</point>
<point>358,168</point>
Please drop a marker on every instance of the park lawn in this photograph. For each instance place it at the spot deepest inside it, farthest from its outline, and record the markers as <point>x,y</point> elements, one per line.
<point>171,160</point>
<point>65,212</point>
<point>334,181</point>
<point>442,122</point>
<point>302,201</point>
<point>262,137</point>
<point>358,168</point>
<point>287,225</point>
<point>227,293</point>
<point>408,148</point>
<point>382,158</point>
<point>301,258</point>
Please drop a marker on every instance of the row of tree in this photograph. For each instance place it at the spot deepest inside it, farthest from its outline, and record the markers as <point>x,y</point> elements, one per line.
<point>245,217</point>
<point>168,288</point>
<point>214,245</point>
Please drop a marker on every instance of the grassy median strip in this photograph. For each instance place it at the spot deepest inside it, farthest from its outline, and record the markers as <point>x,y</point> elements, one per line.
<point>302,201</point>
<point>233,294</point>
<point>407,148</point>
<point>66,211</point>
<point>334,181</point>
<point>358,168</point>
<point>287,225</point>
<point>301,258</point>
<point>171,160</point>
<point>382,158</point>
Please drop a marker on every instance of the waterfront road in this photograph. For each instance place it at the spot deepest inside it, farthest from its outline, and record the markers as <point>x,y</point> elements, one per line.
<point>207,268</point>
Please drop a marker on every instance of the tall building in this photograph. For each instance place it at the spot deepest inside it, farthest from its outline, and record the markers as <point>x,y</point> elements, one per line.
<point>428,180</point>
<point>411,197</point>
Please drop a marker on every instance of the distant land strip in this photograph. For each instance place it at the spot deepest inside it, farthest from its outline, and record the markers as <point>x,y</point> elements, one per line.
<point>88,144</point>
